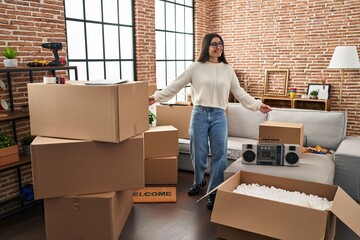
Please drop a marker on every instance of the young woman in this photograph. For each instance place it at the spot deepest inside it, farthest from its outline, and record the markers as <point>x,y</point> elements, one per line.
<point>211,80</point>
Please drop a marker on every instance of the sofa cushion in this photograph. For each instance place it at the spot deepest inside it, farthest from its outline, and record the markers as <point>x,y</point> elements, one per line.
<point>234,150</point>
<point>313,167</point>
<point>235,146</point>
<point>244,123</point>
<point>347,166</point>
<point>323,128</point>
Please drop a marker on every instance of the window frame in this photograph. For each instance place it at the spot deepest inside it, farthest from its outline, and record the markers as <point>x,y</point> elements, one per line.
<point>104,60</point>
<point>164,61</point>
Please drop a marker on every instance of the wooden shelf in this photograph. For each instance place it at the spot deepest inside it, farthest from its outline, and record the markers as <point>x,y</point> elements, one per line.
<point>315,104</point>
<point>31,69</point>
<point>278,102</point>
<point>23,161</point>
<point>299,103</point>
<point>13,115</point>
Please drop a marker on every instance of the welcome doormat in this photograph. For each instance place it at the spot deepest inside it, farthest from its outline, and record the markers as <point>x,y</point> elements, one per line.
<point>154,195</point>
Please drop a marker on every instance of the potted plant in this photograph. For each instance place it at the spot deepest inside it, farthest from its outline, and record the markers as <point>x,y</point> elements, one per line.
<point>9,151</point>
<point>6,141</point>
<point>10,53</point>
<point>314,94</point>
<point>25,143</point>
<point>152,118</point>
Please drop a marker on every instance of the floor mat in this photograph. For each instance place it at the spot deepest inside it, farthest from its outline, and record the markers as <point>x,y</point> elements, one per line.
<point>155,195</point>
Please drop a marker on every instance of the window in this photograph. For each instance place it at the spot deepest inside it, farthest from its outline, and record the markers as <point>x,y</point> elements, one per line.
<point>174,40</point>
<point>100,38</point>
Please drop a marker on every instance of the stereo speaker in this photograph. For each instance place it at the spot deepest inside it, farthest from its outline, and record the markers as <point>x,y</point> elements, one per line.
<point>249,153</point>
<point>291,155</point>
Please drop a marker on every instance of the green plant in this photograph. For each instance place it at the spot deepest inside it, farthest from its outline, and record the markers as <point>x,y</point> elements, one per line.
<point>152,118</point>
<point>9,52</point>
<point>314,93</point>
<point>6,141</point>
<point>27,140</point>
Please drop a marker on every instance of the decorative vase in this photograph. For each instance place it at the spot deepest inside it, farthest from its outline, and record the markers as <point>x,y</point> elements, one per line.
<point>313,97</point>
<point>10,63</point>
<point>26,150</point>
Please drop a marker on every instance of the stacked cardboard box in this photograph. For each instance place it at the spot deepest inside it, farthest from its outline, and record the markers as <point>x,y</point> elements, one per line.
<point>174,115</point>
<point>88,156</point>
<point>161,152</point>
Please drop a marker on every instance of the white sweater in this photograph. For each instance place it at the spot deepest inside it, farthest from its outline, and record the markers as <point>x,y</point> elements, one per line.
<point>211,84</point>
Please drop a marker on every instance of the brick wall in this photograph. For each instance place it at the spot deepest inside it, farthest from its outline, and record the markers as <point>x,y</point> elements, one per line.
<point>145,40</point>
<point>202,23</point>
<point>25,25</point>
<point>296,35</point>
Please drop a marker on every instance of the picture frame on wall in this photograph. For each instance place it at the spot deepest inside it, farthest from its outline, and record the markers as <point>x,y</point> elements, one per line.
<point>322,89</point>
<point>276,82</point>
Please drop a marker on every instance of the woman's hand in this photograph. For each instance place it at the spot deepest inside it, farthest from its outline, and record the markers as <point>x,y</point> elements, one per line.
<point>151,100</point>
<point>264,108</point>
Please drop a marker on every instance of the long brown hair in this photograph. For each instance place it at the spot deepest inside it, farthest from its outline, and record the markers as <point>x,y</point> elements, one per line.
<point>204,55</point>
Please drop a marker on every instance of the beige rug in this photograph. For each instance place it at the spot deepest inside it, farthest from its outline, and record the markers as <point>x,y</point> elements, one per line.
<point>155,195</point>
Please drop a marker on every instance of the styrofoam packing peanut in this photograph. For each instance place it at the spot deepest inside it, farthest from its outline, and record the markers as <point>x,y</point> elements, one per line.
<point>281,195</point>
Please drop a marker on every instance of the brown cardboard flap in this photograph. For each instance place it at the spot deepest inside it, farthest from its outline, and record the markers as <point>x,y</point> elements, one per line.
<point>347,210</point>
<point>229,233</point>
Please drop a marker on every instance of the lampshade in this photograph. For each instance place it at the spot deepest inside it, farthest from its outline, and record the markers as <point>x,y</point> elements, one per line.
<point>345,57</point>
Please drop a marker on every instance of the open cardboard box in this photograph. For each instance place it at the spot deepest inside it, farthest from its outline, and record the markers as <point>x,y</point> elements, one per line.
<point>280,220</point>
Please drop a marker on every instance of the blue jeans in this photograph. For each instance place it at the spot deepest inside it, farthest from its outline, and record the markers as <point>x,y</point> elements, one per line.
<point>208,125</point>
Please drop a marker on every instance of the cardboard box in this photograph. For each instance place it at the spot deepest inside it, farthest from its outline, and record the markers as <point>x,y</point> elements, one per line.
<point>9,155</point>
<point>281,132</point>
<point>237,234</point>
<point>109,113</point>
<point>161,170</point>
<point>152,89</point>
<point>64,167</point>
<point>177,116</point>
<point>280,220</point>
<point>161,141</point>
<point>98,216</point>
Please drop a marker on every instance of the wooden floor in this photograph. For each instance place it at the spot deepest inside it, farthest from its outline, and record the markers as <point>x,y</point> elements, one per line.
<point>184,219</point>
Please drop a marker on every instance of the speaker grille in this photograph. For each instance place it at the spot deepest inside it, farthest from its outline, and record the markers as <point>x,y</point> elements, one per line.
<point>249,156</point>
<point>291,158</point>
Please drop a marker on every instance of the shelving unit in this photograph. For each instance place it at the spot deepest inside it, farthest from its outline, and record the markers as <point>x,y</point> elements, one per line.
<point>318,104</point>
<point>299,103</point>
<point>13,116</point>
<point>278,102</point>
<point>21,204</point>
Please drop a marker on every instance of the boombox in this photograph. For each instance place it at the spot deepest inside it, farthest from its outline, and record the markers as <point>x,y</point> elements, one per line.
<point>271,154</point>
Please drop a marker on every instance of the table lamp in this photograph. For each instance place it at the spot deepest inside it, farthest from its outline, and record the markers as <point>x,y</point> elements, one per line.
<point>344,57</point>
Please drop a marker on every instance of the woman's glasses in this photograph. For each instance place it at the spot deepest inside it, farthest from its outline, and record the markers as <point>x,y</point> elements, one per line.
<point>216,44</point>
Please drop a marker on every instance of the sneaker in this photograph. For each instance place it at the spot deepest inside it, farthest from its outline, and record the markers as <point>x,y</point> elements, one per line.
<point>210,202</point>
<point>195,188</point>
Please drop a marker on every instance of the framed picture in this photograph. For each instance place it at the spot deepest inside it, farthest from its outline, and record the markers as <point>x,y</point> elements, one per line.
<point>322,89</point>
<point>276,82</point>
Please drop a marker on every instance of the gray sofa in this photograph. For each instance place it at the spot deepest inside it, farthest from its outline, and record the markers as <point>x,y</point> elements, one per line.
<point>324,128</point>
